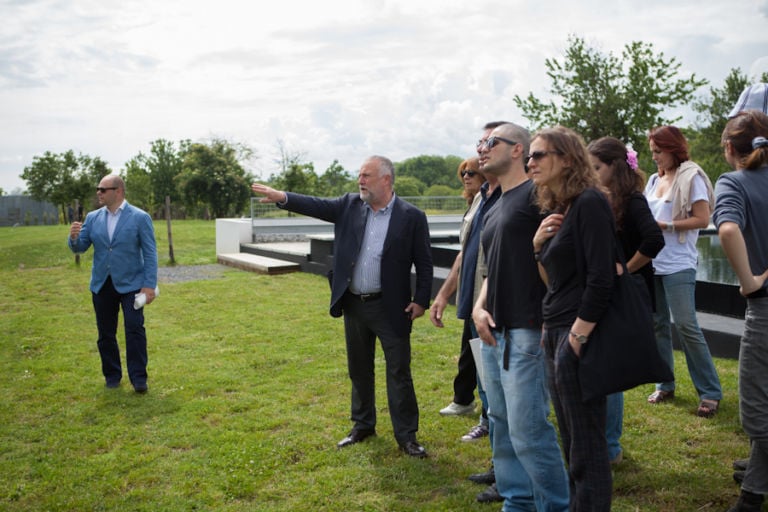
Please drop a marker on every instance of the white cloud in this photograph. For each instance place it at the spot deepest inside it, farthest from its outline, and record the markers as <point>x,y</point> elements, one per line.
<point>333,80</point>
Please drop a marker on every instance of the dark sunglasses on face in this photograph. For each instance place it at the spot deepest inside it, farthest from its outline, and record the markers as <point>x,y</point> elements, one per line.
<point>490,142</point>
<point>471,174</point>
<point>101,190</point>
<point>538,155</point>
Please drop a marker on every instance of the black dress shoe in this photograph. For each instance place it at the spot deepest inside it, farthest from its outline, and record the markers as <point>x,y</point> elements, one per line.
<point>486,478</point>
<point>414,449</point>
<point>740,464</point>
<point>140,388</point>
<point>354,437</point>
<point>490,495</point>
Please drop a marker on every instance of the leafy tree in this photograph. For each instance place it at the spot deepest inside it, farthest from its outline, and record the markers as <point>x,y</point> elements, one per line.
<point>295,175</point>
<point>601,94</point>
<point>212,177</point>
<point>430,169</point>
<point>335,181</point>
<point>138,184</point>
<point>704,138</point>
<point>164,164</point>
<point>441,190</point>
<point>408,186</point>
<point>63,178</point>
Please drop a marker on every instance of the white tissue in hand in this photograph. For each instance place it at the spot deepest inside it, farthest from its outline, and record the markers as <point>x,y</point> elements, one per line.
<point>141,298</point>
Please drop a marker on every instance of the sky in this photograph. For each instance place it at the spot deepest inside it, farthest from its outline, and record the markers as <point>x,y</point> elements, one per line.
<point>325,80</point>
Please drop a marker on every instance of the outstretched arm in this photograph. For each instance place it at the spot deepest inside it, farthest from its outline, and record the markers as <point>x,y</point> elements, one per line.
<point>270,195</point>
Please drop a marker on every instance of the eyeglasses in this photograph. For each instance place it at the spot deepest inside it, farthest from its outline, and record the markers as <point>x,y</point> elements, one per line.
<point>490,142</point>
<point>101,190</point>
<point>538,155</point>
<point>471,174</point>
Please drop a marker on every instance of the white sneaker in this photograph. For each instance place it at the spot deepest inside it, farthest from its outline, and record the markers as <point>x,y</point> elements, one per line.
<point>455,409</point>
<point>475,433</point>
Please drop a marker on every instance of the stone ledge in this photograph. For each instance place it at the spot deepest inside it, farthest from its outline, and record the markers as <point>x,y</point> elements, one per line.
<point>259,264</point>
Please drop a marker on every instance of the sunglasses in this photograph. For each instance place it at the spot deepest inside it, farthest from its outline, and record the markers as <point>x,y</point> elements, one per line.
<point>101,190</point>
<point>490,142</point>
<point>538,155</point>
<point>471,174</point>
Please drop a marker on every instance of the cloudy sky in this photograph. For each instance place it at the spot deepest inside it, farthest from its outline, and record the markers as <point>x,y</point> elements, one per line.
<point>332,79</point>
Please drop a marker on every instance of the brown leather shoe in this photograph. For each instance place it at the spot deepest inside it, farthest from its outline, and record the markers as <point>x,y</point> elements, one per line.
<point>414,449</point>
<point>355,436</point>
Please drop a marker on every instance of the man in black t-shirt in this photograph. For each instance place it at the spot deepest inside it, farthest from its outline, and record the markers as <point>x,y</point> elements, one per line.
<point>526,455</point>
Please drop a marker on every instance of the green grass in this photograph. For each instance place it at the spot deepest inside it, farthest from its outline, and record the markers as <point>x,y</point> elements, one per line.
<point>249,395</point>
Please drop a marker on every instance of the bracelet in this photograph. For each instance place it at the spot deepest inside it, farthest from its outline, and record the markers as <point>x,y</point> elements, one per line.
<point>537,255</point>
<point>671,226</point>
<point>580,338</point>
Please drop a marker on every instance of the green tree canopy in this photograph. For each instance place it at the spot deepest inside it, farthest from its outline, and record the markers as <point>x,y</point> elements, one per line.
<point>430,169</point>
<point>408,186</point>
<point>63,178</point>
<point>601,94</point>
<point>213,177</point>
<point>713,109</point>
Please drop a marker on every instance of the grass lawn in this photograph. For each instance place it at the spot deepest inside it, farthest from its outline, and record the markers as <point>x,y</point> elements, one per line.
<point>249,395</point>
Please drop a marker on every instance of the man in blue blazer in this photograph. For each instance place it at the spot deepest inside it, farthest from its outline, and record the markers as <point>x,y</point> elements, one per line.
<point>378,238</point>
<point>124,264</point>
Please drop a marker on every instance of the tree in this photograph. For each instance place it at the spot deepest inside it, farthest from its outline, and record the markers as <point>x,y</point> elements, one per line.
<point>138,184</point>
<point>408,186</point>
<point>295,175</point>
<point>62,178</point>
<point>212,177</point>
<point>335,181</point>
<point>599,94</point>
<point>430,169</point>
<point>704,138</point>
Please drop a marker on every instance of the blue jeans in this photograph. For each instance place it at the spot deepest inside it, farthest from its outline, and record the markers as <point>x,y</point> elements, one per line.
<point>676,292</point>
<point>614,424</point>
<point>484,420</point>
<point>530,473</point>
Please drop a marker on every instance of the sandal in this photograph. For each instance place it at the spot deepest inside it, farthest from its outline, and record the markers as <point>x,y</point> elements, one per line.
<point>659,396</point>
<point>707,408</point>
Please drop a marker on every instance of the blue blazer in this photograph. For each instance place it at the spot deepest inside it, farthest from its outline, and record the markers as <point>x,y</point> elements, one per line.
<point>406,245</point>
<point>130,258</point>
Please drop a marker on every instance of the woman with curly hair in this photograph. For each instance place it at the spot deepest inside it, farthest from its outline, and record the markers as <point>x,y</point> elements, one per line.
<point>575,246</point>
<point>638,233</point>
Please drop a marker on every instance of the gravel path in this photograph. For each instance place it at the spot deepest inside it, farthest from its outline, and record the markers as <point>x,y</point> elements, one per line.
<point>183,273</point>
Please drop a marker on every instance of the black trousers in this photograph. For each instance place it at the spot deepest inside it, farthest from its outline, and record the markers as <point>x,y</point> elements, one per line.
<point>582,427</point>
<point>363,323</point>
<point>107,303</point>
<point>465,382</point>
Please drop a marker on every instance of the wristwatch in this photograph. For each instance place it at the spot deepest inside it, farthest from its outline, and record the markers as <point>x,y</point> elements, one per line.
<point>581,338</point>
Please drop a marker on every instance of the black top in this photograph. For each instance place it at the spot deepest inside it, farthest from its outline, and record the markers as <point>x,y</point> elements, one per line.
<point>580,262</point>
<point>641,232</point>
<point>515,290</point>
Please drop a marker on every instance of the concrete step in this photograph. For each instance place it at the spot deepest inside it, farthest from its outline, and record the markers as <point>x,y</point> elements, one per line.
<point>259,264</point>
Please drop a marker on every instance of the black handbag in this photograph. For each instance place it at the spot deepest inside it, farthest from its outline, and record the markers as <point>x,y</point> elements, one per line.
<point>621,352</point>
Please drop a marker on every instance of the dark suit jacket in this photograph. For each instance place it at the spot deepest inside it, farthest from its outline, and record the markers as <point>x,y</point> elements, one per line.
<point>407,244</point>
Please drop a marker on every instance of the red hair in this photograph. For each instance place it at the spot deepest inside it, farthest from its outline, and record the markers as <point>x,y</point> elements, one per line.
<point>671,140</point>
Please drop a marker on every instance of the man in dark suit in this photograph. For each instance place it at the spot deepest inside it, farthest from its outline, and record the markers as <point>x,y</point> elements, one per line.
<point>378,237</point>
<point>124,264</point>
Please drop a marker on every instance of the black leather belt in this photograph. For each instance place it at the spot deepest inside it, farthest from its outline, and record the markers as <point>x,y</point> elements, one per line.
<point>365,297</point>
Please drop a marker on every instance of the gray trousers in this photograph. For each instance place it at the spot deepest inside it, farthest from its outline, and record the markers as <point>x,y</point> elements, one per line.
<point>753,393</point>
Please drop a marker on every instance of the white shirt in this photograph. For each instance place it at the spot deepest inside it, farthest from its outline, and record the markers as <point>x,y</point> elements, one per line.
<point>112,219</point>
<point>676,255</point>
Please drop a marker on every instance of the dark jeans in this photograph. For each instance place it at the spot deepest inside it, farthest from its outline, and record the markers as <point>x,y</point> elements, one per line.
<point>107,303</point>
<point>582,427</point>
<point>363,323</point>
